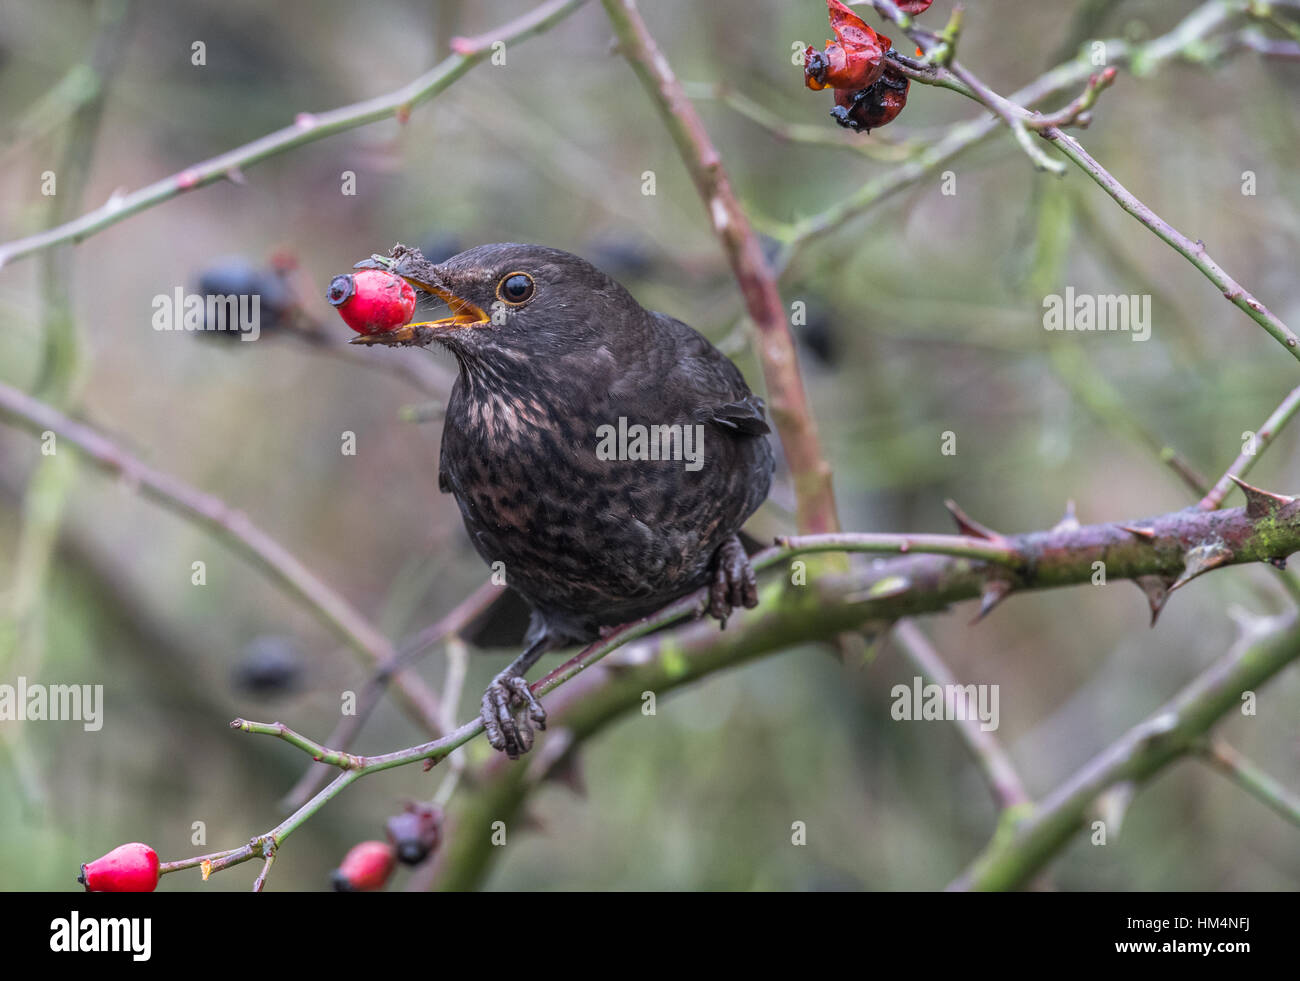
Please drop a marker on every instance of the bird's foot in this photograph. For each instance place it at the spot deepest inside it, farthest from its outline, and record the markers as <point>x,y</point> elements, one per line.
<point>734,583</point>
<point>508,705</point>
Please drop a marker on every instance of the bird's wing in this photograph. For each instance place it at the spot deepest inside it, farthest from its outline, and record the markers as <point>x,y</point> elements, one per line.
<point>711,386</point>
<point>746,416</point>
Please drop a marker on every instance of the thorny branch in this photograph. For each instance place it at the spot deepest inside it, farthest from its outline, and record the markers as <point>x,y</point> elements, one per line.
<point>1169,549</point>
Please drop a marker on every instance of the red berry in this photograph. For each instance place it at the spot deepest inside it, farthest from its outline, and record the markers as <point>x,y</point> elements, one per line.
<point>127,868</point>
<point>372,301</point>
<point>365,867</point>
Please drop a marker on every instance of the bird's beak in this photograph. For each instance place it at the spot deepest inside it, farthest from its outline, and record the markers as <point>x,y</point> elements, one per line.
<point>423,275</point>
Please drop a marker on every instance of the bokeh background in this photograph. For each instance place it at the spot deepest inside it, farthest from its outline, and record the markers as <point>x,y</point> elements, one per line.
<point>924,316</point>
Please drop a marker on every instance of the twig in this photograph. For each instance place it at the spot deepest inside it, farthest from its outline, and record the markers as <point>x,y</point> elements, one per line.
<point>1252,779</point>
<point>1269,47</point>
<point>236,529</point>
<point>1194,252</point>
<point>1015,122</point>
<point>452,686</point>
<point>307,128</point>
<point>1188,474</point>
<point>813,134</point>
<point>901,544</point>
<point>319,753</point>
<point>260,882</point>
<point>1075,112</point>
<point>774,343</point>
<point>1245,461</point>
<point>998,771</point>
<point>349,726</point>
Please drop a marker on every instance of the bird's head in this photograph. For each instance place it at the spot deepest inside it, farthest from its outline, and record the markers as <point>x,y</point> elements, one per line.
<point>506,298</point>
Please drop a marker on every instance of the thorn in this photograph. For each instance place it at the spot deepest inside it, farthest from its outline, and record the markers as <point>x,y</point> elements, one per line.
<point>1068,521</point>
<point>1201,559</point>
<point>969,526</point>
<point>995,590</point>
<point>1146,533</point>
<point>1261,503</point>
<point>1156,589</point>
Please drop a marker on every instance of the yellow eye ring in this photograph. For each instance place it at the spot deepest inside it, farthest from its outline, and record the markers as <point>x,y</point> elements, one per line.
<point>515,288</point>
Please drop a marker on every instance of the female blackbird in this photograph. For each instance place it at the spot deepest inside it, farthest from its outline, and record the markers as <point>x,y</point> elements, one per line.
<point>604,454</point>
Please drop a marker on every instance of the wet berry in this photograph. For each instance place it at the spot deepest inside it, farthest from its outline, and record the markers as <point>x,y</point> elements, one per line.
<point>372,301</point>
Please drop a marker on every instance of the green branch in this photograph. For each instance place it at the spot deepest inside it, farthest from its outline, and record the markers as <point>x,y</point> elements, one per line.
<point>307,128</point>
<point>1021,848</point>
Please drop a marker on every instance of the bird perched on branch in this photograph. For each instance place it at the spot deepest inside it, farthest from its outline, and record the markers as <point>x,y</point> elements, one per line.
<point>605,454</point>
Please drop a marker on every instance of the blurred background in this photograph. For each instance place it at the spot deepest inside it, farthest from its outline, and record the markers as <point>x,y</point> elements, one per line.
<point>924,315</point>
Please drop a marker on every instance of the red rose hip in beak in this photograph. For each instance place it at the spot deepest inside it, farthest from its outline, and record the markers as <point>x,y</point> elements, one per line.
<point>372,301</point>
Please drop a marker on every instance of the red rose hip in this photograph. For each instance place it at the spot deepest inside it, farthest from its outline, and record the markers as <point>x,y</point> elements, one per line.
<point>372,301</point>
<point>365,867</point>
<point>127,868</point>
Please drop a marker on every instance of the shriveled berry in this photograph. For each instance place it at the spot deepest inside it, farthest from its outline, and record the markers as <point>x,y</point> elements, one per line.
<point>914,7</point>
<point>127,868</point>
<point>365,867</point>
<point>868,108</point>
<point>854,60</point>
<point>415,832</point>
<point>372,301</point>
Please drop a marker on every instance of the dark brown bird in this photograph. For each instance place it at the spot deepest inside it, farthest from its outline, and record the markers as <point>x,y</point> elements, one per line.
<point>604,454</point>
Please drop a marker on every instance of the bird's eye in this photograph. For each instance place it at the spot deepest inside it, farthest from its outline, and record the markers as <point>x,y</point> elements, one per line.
<point>515,288</point>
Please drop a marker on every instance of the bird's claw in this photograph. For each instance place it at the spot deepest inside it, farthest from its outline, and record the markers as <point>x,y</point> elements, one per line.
<point>508,705</point>
<point>734,583</point>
